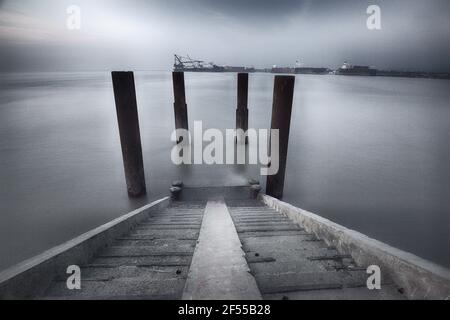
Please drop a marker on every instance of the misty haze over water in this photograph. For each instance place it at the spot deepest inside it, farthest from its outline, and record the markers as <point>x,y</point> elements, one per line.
<point>144,34</point>
<point>369,153</point>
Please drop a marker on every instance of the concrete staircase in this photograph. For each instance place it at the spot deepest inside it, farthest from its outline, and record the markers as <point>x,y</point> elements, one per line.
<point>290,263</point>
<point>171,255</point>
<point>151,262</point>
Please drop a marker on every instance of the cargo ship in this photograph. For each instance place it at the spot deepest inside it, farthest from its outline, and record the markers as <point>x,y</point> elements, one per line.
<point>350,70</point>
<point>300,69</point>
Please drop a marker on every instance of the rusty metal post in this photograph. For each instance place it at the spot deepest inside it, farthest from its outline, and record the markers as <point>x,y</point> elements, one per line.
<point>283,94</point>
<point>130,137</point>
<point>242,103</point>
<point>179,105</point>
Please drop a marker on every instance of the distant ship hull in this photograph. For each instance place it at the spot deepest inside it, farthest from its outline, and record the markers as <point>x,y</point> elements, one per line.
<point>308,70</point>
<point>357,71</point>
<point>300,70</point>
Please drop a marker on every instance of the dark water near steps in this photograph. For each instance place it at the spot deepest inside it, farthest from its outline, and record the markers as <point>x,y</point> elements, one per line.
<point>372,154</point>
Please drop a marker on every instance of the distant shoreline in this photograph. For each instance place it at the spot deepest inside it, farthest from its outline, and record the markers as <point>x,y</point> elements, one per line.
<point>325,71</point>
<point>379,73</point>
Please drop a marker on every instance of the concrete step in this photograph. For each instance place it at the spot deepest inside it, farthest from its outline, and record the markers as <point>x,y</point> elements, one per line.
<point>268,228</point>
<point>293,281</point>
<point>145,261</point>
<point>253,210</point>
<point>388,292</point>
<point>169,224</point>
<point>176,216</point>
<point>123,251</point>
<point>158,243</point>
<point>165,234</point>
<point>297,266</point>
<point>260,219</point>
<point>267,224</point>
<point>154,273</point>
<point>120,287</point>
<point>173,220</point>
<point>173,227</point>
<point>271,234</point>
<point>256,216</point>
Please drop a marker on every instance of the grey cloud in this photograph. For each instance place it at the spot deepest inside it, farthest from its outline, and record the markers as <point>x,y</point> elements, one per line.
<point>415,33</point>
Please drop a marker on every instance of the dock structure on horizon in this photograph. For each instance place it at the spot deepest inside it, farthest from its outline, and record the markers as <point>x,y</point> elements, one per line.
<point>229,242</point>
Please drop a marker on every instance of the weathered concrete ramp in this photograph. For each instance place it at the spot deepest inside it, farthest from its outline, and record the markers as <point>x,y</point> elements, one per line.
<point>151,262</point>
<point>218,269</point>
<point>290,263</point>
<point>182,249</point>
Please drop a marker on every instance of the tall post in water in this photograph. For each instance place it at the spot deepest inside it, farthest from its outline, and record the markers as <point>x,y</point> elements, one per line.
<point>283,94</point>
<point>179,105</point>
<point>242,102</point>
<point>130,137</point>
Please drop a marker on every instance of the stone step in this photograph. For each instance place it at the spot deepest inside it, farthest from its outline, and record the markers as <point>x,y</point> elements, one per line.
<point>146,250</point>
<point>174,227</point>
<point>147,261</point>
<point>264,224</point>
<point>121,287</point>
<point>272,234</point>
<point>268,229</point>
<point>164,234</point>
<point>262,218</point>
<point>159,221</point>
<point>150,273</point>
<point>289,282</point>
<point>168,244</point>
<point>388,292</point>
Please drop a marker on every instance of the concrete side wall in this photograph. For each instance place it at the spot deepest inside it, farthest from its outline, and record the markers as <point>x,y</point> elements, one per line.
<point>32,277</point>
<point>419,278</point>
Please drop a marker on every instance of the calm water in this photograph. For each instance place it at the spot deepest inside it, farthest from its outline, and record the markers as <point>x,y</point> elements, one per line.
<point>372,154</point>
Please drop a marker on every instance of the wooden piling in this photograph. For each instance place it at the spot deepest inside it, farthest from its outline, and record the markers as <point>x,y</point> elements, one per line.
<point>283,94</point>
<point>130,137</point>
<point>179,105</point>
<point>242,103</point>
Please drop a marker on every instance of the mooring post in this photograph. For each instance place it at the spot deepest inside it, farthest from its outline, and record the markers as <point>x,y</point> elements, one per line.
<point>179,105</point>
<point>283,94</point>
<point>242,102</point>
<point>130,137</point>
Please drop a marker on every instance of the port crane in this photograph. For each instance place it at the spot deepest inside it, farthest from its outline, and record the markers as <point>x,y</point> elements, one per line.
<point>187,63</point>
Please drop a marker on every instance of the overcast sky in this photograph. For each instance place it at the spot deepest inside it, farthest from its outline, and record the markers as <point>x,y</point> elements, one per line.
<point>144,34</point>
